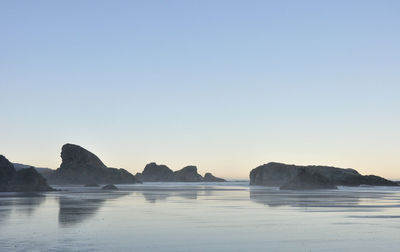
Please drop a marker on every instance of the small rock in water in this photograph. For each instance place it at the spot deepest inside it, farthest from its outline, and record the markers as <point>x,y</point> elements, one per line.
<point>109,187</point>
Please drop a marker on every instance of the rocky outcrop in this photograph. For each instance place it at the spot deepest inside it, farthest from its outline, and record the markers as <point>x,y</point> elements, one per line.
<point>278,174</point>
<point>208,177</point>
<point>7,174</point>
<point>80,166</point>
<point>29,180</point>
<point>24,180</point>
<point>161,173</point>
<point>306,180</point>
<point>155,173</point>
<point>187,174</point>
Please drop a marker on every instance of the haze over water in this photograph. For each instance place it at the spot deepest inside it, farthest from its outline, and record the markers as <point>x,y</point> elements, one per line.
<point>201,217</point>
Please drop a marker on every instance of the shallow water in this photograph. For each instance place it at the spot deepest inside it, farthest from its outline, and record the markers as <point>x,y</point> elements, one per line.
<point>201,217</point>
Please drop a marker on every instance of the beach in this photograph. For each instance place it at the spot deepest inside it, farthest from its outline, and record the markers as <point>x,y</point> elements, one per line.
<point>231,216</point>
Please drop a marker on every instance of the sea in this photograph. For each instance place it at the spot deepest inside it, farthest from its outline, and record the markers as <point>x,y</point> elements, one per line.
<point>201,217</point>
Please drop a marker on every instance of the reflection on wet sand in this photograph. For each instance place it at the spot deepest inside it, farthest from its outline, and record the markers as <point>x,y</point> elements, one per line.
<point>27,203</point>
<point>153,196</point>
<point>5,209</point>
<point>328,200</point>
<point>161,192</point>
<point>24,203</point>
<point>78,207</point>
<point>197,217</point>
<point>155,192</point>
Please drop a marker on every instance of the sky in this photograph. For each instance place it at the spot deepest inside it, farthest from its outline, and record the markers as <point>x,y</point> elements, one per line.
<point>223,85</point>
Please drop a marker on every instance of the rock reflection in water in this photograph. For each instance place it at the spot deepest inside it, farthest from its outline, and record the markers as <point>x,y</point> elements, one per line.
<point>322,198</point>
<point>154,192</point>
<point>5,208</point>
<point>24,203</point>
<point>27,203</point>
<point>153,196</point>
<point>76,208</point>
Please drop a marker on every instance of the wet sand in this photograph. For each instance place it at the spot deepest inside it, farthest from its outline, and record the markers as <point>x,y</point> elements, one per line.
<point>201,217</point>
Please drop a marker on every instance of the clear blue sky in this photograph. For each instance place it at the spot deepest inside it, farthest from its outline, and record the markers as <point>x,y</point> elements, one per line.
<point>224,85</point>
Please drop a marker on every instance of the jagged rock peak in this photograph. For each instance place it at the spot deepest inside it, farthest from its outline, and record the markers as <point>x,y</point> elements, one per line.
<point>155,173</point>
<point>74,155</point>
<point>7,170</point>
<point>154,167</point>
<point>187,174</point>
<point>80,166</point>
<point>161,173</point>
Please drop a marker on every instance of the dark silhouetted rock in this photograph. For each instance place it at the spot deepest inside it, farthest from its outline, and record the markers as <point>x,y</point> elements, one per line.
<point>208,177</point>
<point>7,173</point>
<point>376,181</point>
<point>161,173</point>
<point>305,180</point>
<point>92,185</point>
<point>74,157</point>
<point>80,166</point>
<point>155,173</point>
<point>277,174</point>
<point>272,174</point>
<point>109,187</point>
<point>187,174</point>
<point>24,180</point>
<point>29,180</point>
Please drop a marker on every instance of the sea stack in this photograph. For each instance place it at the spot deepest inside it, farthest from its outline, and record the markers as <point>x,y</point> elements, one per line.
<point>155,173</point>
<point>80,166</point>
<point>301,177</point>
<point>161,173</point>
<point>187,174</point>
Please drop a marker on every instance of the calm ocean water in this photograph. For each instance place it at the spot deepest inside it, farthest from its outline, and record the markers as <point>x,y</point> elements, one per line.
<point>201,217</point>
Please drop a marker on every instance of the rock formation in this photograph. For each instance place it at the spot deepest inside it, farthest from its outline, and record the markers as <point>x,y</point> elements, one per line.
<point>109,187</point>
<point>277,174</point>
<point>305,180</point>
<point>24,180</point>
<point>7,174</point>
<point>208,177</point>
<point>80,166</point>
<point>187,174</point>
<point>155,173</point>
<point>161,173</point>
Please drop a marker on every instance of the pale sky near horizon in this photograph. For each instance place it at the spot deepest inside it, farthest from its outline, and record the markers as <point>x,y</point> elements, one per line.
<point>224,85</point>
